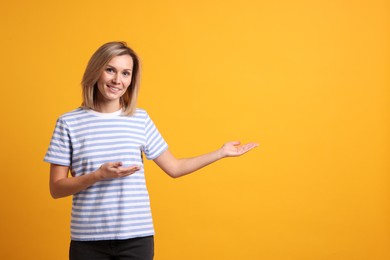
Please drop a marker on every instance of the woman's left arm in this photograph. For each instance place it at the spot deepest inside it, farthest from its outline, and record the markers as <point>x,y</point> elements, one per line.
<point>179,167</point>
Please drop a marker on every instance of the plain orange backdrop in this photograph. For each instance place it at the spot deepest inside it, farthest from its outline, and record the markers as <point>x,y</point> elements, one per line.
<point>308,80</point>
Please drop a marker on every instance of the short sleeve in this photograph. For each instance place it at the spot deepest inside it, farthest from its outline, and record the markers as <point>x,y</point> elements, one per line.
<point>154,143</point>
<point>60,148</point>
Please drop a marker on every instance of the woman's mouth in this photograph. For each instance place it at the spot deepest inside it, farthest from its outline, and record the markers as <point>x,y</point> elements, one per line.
<point>113,89</point>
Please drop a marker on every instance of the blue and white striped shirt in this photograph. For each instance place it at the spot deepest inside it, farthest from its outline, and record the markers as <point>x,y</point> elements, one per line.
<point>113,208</point>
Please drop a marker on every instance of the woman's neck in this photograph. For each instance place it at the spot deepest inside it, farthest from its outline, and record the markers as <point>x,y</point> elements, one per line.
<point>107,107</point>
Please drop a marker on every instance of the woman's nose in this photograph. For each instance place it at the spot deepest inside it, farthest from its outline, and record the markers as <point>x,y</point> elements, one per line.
<point>116,78</point>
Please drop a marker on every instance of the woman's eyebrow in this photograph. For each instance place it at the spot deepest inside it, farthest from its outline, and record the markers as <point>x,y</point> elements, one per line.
<point>108,65</point>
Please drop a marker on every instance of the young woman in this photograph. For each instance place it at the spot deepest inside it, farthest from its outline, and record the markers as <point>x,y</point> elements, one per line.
<point>102,145</point>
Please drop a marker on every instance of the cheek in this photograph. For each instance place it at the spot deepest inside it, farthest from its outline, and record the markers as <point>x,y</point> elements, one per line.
<point>127,83</point>
<point>99,88</point>
<point>100,84</point>
<point>104,78</point>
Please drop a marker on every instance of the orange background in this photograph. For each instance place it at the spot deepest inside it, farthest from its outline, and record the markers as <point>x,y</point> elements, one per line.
<point>308,80</point>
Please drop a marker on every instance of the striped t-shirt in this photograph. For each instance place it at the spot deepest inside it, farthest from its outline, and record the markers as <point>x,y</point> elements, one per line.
<point>112,208</point>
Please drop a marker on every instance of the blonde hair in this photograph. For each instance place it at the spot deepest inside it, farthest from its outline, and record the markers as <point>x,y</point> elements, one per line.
<point>95,67</point>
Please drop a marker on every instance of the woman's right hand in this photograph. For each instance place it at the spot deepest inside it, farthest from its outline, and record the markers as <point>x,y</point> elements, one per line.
<point>62,186</point>
<point>115,170</point>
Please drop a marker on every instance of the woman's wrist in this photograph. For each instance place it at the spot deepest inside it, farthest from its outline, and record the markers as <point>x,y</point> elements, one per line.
<point>220,153</point>
<point>98,174</point>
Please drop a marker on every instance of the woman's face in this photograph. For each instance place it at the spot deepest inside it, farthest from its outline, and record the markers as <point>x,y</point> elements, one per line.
<point>115,79</point>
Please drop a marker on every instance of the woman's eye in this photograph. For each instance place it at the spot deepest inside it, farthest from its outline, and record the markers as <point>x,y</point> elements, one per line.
<point>109,70</point>
<point>126,73</point>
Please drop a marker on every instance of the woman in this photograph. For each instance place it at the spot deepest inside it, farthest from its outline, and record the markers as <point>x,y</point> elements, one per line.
<point>101,144</point>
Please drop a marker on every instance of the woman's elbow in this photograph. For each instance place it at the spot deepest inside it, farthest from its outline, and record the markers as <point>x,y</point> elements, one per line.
<point>55,194</point>
<point>172,174</point>
<point>176,172</point>
<point>55,197</point>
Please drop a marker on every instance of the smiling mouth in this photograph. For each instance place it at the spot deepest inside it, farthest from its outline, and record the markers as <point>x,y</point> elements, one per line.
<point>113,89</point>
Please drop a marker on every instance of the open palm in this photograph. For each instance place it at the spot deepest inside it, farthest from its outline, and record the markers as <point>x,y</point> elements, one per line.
<point>235,148</point>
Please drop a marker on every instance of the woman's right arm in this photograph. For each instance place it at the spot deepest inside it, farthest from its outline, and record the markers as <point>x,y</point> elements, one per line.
<point>62,186</point>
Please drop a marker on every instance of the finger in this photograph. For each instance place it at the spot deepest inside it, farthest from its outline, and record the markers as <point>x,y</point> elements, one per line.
<point>235,143</point>
<point>252,145</point>
<point>127,173</point>
<point>116,164</point>
<point>246,148</point>
<point>130,168</point>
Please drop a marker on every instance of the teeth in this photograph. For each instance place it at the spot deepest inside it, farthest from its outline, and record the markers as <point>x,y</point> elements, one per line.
<point>113,88</point>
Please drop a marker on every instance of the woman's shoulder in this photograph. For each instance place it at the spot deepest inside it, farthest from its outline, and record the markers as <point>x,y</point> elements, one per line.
<point>72,114</point>
<point>140,112</point>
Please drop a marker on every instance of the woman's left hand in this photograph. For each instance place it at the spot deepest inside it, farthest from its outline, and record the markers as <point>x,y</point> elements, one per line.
<point>233,149</point>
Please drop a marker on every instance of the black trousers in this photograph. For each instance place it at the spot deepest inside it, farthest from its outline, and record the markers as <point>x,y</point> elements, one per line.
<point>141,248</point>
